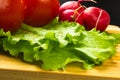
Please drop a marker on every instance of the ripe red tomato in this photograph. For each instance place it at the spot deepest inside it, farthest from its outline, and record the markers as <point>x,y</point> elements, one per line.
<point>41,12</point>
<point>11,14</point>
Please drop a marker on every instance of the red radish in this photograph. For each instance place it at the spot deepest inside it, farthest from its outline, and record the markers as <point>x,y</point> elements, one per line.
<point>73,9</point>
<point>72,5</point>
<point>94,17</point>
<point>70,14</point>
<point>67,15</point>
<point>69,10</point>
<point>79,19</point>
<point>69,5</point>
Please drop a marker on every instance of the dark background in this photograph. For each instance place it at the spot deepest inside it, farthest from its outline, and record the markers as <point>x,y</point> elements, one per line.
<point>111,6</point>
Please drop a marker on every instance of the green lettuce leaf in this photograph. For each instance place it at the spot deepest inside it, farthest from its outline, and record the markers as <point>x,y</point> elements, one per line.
<point>58,44</point>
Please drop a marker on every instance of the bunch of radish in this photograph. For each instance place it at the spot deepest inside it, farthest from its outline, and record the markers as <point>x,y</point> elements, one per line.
<point>90,17</point>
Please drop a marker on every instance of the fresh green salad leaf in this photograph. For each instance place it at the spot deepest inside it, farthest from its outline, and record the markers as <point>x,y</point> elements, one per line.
<point>58,44</point>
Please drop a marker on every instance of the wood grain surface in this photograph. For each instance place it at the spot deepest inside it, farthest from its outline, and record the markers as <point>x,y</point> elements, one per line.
<point>15,69</point>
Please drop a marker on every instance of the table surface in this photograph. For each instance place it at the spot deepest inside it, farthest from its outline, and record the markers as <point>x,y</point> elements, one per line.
<point>15,69</point>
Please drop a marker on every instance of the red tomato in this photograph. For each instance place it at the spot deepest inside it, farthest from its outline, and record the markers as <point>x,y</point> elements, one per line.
<point>41,12</point>
<point>11,14</point>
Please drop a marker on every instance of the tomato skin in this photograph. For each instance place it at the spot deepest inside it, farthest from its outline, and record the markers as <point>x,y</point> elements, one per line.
<point>41,12</point>
<point>11,14</point>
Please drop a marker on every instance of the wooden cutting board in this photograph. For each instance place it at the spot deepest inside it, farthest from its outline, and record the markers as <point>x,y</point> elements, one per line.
<point>15,69</point>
